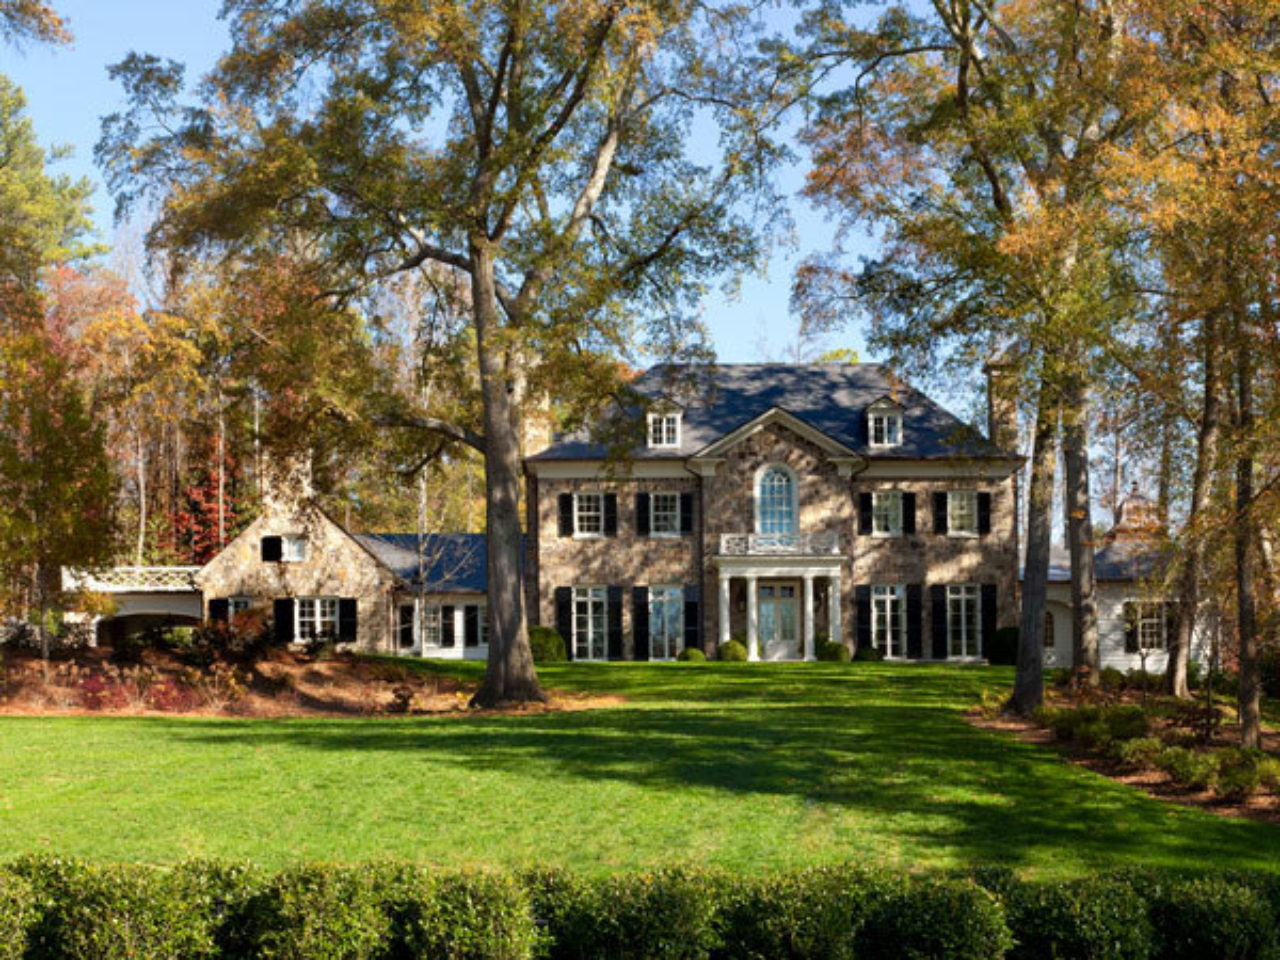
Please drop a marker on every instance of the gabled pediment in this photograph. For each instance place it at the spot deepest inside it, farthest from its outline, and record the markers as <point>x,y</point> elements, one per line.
<point>706,459</point>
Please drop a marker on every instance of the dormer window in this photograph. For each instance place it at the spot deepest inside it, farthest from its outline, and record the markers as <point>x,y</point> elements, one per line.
<point>884,424</point>
<point>664,430</point>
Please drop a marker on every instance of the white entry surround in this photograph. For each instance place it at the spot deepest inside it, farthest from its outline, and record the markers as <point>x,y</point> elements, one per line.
<point>755,569</point>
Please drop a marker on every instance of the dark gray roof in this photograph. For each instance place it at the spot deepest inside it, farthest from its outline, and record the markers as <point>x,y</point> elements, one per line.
<point>1119,560</point>
<point>453,562</point>
<point>831,397</point>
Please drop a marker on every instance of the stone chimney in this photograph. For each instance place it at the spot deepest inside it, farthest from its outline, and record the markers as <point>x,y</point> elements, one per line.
<point>286,482</point>
<point>1139,519</point>
<point>1002,400</point>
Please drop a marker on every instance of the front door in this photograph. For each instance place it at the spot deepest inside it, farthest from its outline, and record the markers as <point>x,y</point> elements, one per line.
<point>779,622</point>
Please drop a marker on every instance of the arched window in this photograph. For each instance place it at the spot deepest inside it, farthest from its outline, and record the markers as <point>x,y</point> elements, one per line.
<point>776,501</point>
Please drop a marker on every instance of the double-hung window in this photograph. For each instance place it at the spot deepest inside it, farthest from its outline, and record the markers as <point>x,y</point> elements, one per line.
<point>664,520</point>
<point>886,513</point>
<point>590,623</point>
<point>888,620</point>
<point>963,621</point>
<point>293,549</point>
<point>666,622</point>
<point>317,617</point>
<point>430,625</point>
<point>885,428</point>
<point>588,514</point>
<point>664,430</point>
<point>1150,626</point>
<point>962,513</point>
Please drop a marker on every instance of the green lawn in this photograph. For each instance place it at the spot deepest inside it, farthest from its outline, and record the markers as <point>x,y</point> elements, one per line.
<point>738,765</point>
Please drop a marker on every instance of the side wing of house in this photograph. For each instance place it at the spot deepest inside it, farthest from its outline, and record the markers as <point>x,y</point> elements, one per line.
<point>306,574</point>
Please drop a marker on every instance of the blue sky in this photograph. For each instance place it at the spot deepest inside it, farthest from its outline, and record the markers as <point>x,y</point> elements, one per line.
<point>68,93</point>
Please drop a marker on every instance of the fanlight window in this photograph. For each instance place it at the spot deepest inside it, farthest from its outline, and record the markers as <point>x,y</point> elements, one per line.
<point>776,499</point>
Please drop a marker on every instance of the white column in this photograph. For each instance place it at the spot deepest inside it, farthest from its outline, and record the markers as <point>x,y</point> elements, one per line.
<point>724,607</point>
<point>833,608</point>
<point>808,617</point>
<point>753,621</point>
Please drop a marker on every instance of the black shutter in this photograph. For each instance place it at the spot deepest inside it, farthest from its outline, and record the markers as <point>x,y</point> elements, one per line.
<point>272,549</point>
<point>610,514</point>
<point>614,616</point>
<point>282,619</point>
<point>447,627</point>
<point>219,610</point>
<point>1172,618</point>
<point>471,625</point>
<point>908,513</point>
<point>990,603</point>
<point>938,614</point>
<point>564,617</point>
<point>864,514</point>
<point>693,618</point>
<point>984,513</point>
<point>640,621</point>
<point>642,514</point>
<point>1130,627</point>
<point>940,512</point>
<point>915,621</point>
<point>862,607</point>
<point>686,513</point>
<point>565,501</point>
<point>348,612</point>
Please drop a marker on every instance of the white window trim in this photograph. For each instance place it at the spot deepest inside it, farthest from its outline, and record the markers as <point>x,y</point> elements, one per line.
<point>895,528</point>
<point>888,413</point>
<point>603,598</point>
<point>678,641</point>
<point>1148,611</point>
<point>237,605</point>
<point>899,593</point>
<point>952,495</point>
<point>297,617</point>
<point>676,418</point>
<point>425,611</point>
<point>757,498</point>
<point>653,514</point>
<point>296,539</point>
<point>977,638</point>
<point>578,533</point>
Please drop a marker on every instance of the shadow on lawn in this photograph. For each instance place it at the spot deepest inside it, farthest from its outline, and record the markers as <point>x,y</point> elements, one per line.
<point>888,746</point>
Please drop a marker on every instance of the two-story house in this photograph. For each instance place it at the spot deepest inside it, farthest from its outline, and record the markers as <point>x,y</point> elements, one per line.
<point>778,504</point>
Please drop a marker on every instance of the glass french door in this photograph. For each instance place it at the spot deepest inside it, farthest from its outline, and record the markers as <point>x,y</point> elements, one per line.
<point>779,622</point>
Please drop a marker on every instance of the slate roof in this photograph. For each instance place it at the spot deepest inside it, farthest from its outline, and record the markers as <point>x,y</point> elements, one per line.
<point>1119,560</point>
<point>455,562</point>
<point>830,397</point>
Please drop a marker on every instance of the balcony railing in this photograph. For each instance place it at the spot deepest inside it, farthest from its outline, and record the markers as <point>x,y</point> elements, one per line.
<point>780,544</point>
<point>132,579</point>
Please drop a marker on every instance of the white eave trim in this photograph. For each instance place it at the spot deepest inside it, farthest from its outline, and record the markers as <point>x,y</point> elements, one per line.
<point>656,469</point>
<point>829,445</point>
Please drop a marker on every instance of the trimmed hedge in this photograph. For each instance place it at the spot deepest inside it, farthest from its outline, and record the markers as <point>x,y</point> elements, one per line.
<point>51,907</point>
<point>833,651</point>
<point>547,646</point>
<point>732,650</point>
<point>691,655</point>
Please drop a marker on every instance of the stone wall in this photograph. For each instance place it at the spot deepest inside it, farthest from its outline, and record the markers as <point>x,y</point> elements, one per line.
<point>335,566</point>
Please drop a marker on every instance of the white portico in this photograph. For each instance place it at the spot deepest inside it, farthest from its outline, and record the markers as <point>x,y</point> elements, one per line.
<point>782,582</point>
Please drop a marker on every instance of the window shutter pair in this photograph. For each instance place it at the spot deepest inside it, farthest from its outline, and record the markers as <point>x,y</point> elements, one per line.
<point>862,605</point>
<point>564,617</point>
<point>613,615</point>
<point>219,610</point>
<point>865,510</point>
<point>693,617</point>
<point>640,621</point>
<point>644,523</point>
<point>938,616</point>
<point>448,627</point>
<point>272,549</point>
<point>282,619</point>
<point>564,509</point>
<point>348,613</point>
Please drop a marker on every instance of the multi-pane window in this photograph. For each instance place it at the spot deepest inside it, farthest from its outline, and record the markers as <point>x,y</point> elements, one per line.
<point>317,617</point>
<point>1150,626</point>
<point>664,429</point>
<point>293,549</point>
<point>962,513</point>
<point>888,623</point>
<point>777,501</point>
<point>590,623</point>
<point>666,622</point>
<point>963,619</point>
<point>430,625</point>
<point>238,605</point>
<point>886,428</point>
<point>664,514</point>
<point>404,628</point>
<point>588,514</point>
<point>886,513</point>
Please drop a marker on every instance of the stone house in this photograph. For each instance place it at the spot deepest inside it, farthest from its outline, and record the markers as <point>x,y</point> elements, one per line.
<point>381,592</point>
<point>782,505</point>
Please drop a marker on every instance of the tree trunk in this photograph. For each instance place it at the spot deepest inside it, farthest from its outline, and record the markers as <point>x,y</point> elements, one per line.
<point>141,466</point>
<point>1246,602</point>
<point>510,676</point>
<point>1079,510</point>
<point>1175,677</point>
<point>1028,688</point>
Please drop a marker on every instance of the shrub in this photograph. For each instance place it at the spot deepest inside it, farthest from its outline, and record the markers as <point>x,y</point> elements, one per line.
<point>320,911</point>
<point>924,919</point>
<point>731,651</point>
<point>1241,772</point>
<point>1059,676</point>
<point>1127,722</point>
<point>691,655</point>
<point>470,916</point>
<point>1097,918</point>
<point>665,914</point>
<point>868,654</point>
<point>1111,678</point>
<point>547,645</point>
<point>1003,649</point>
<point>1139,752</point>
<point>17,915</point>
<point>1190,768</point>
<point>833,651</point>
<point>1211,917</point>
<point>1092,734</point>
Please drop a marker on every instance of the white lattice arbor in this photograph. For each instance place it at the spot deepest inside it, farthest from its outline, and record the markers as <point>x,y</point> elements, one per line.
<point>133,580</point>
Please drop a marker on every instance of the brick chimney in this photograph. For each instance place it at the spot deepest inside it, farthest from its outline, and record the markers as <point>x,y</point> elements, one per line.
<point>1002,400</point>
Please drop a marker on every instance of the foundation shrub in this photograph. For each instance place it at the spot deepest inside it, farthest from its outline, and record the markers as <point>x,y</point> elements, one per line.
<point>691,655</point>
<point>547,645</point>
<point>833,652</point>
<point>733,651</point>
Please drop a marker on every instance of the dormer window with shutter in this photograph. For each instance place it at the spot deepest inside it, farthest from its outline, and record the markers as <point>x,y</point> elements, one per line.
<point>664,430</point>
<point>884,424</point>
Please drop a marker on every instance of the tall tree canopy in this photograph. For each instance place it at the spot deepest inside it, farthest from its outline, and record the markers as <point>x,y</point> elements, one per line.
<point>538,150</point>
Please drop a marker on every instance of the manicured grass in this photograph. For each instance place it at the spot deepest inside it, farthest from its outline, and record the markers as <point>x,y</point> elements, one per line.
<point>738,765</point>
